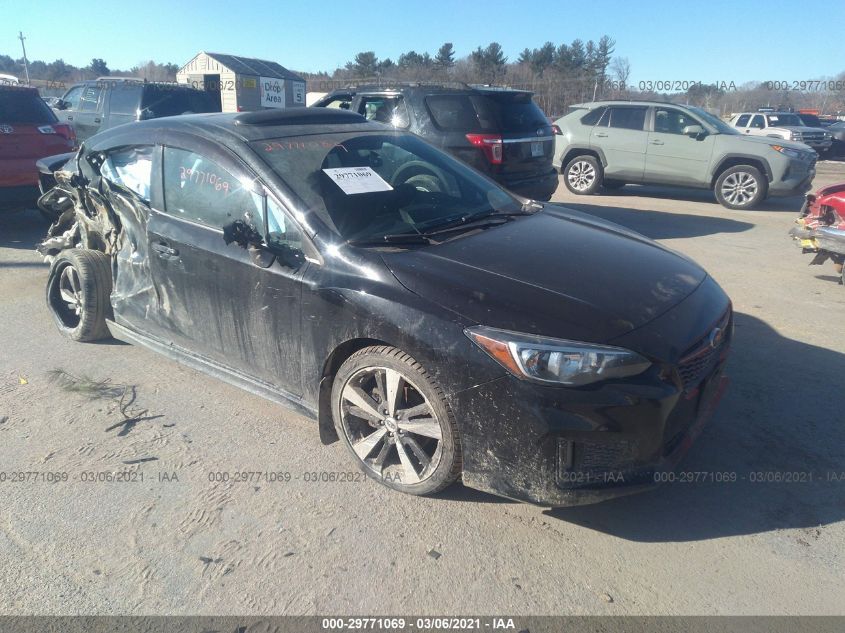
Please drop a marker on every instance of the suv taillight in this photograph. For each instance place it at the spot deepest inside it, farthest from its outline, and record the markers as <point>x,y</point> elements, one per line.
<point>62,129</point>
<point>490,144</point>
<point>556,129</point>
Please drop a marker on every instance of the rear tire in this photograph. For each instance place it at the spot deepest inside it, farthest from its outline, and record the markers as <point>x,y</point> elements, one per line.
<point>78,294</point>
<point>395,421</point>
<point>583,175</point>
<point>740,187</point>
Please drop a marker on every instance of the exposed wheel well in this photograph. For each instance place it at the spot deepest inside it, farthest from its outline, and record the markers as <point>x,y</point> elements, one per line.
<point>740,160</point>
<point>576,151</point>
<point>343,351</point>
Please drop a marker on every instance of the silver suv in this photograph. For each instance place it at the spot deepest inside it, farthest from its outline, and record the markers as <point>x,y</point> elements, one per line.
<point>613,143</point>
<point>785,125</point>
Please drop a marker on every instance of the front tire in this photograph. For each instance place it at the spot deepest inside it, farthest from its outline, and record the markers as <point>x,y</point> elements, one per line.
<point>395,421</point>
<point>78,294</point>
<point>583,175</point>
<point>740,187</point>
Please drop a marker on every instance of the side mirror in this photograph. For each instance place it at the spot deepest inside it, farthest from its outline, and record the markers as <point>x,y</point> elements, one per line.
<point>243,234</point>
<point>287,255</point>
<point>695,131</point>
<point>61,104</point>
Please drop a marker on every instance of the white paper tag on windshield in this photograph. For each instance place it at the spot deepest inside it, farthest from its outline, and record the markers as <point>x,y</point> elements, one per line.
<point>357,179</point>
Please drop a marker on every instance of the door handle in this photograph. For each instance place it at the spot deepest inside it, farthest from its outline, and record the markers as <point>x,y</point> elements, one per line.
<point>657,142</point>
<point>70,118</point>
<point>601,134</point>
<point>96,120</point>
<point>164,250</point>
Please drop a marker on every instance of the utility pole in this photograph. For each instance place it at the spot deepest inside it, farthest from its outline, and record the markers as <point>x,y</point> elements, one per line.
<point>25,63</point>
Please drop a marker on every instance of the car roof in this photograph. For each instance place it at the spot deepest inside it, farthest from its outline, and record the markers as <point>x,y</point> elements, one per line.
<point>233,128</point>
<point>592,105</point>
<point>437,87</point>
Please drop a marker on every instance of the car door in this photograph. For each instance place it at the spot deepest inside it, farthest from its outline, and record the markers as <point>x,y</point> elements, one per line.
<point>88,116</point>
<point>757,125</point>
<point>620,135</point>
<point>742,122</point>
<point>674,157</point>
<point>224,303</point>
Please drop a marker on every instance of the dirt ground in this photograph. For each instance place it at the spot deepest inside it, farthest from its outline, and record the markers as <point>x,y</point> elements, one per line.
<point>172,540</point>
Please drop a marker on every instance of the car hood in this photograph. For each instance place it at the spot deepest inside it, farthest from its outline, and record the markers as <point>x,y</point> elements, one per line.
<point>558,273</point>
<point>796,128</point>
<point>767,140</point>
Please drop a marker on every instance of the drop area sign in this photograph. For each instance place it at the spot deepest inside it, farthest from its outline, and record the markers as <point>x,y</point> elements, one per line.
<point>272,92</point>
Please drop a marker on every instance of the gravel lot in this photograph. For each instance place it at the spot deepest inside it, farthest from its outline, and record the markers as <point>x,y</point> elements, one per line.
<point>178,543</point>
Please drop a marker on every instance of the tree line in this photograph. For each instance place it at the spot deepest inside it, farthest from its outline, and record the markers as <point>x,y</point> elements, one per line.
<point>558,74</point>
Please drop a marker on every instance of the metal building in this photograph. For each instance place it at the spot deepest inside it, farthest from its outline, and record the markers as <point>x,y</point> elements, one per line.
<point>244,83</point>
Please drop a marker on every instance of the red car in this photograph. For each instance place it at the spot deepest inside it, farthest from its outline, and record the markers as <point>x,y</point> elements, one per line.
<point>820,228</point>
<point>28,131</point>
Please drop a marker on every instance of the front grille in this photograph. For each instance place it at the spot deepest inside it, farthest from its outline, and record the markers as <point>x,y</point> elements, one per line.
<point>585,463</point>
<point>699,360</point>
<point>813,138</point>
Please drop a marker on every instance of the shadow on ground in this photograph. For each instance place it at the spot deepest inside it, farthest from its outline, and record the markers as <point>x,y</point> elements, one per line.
<point>21,230</point>
<point>791,204</point>
<point>781,418</point>
<point>661,225</point>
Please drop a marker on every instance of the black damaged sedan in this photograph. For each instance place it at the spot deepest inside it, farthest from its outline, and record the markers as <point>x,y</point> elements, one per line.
<point>437,325</point>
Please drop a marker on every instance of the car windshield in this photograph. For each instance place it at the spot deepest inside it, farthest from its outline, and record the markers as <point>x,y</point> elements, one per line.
<point>371,185</point>
<point>780,120</point>
<point>810,120</point>
<point>715,121</point>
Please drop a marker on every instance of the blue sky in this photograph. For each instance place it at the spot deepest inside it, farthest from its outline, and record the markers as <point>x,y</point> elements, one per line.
<point>662,39</point>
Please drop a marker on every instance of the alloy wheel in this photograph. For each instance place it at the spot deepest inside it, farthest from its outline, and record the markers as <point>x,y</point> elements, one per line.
<point>70,304</point>
<point>739,188</point>
<point>581,175</point>
<point>390,425</point>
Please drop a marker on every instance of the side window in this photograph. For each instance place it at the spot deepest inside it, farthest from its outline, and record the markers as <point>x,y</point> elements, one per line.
<point>130,168</point>
<point>341,103</point>
<point>742,121</point>
<point>198,189</point>
<point>627,118</point>
<point>281,231</point>
<point>72,97</point>
<point>90,98</point>
<point>758,122</point>
<point>125,98</point>
<point>387,110</point>
<point>592,117</point>
<point>671,121</point>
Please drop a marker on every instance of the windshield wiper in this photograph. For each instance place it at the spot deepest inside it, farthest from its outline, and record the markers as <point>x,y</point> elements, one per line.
<point>394,238</point>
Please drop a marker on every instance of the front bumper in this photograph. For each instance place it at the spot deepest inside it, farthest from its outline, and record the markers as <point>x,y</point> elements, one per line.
<point>558,446</point>
<point>796,179</point>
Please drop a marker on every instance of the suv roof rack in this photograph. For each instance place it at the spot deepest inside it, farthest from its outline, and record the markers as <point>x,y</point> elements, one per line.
<point>299,116</point>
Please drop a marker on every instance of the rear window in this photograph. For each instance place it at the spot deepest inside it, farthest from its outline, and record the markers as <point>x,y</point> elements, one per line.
<point>167,101</point>
<point>592,117</point>
<point>518,112</point>
<point>24,106</point>
<point>627,118</point>
<point>509,112</point>
<point>457,113</point>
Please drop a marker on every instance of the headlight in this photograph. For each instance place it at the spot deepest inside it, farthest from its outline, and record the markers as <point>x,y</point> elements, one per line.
<point>787,151</point>
<point>551,360</point>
